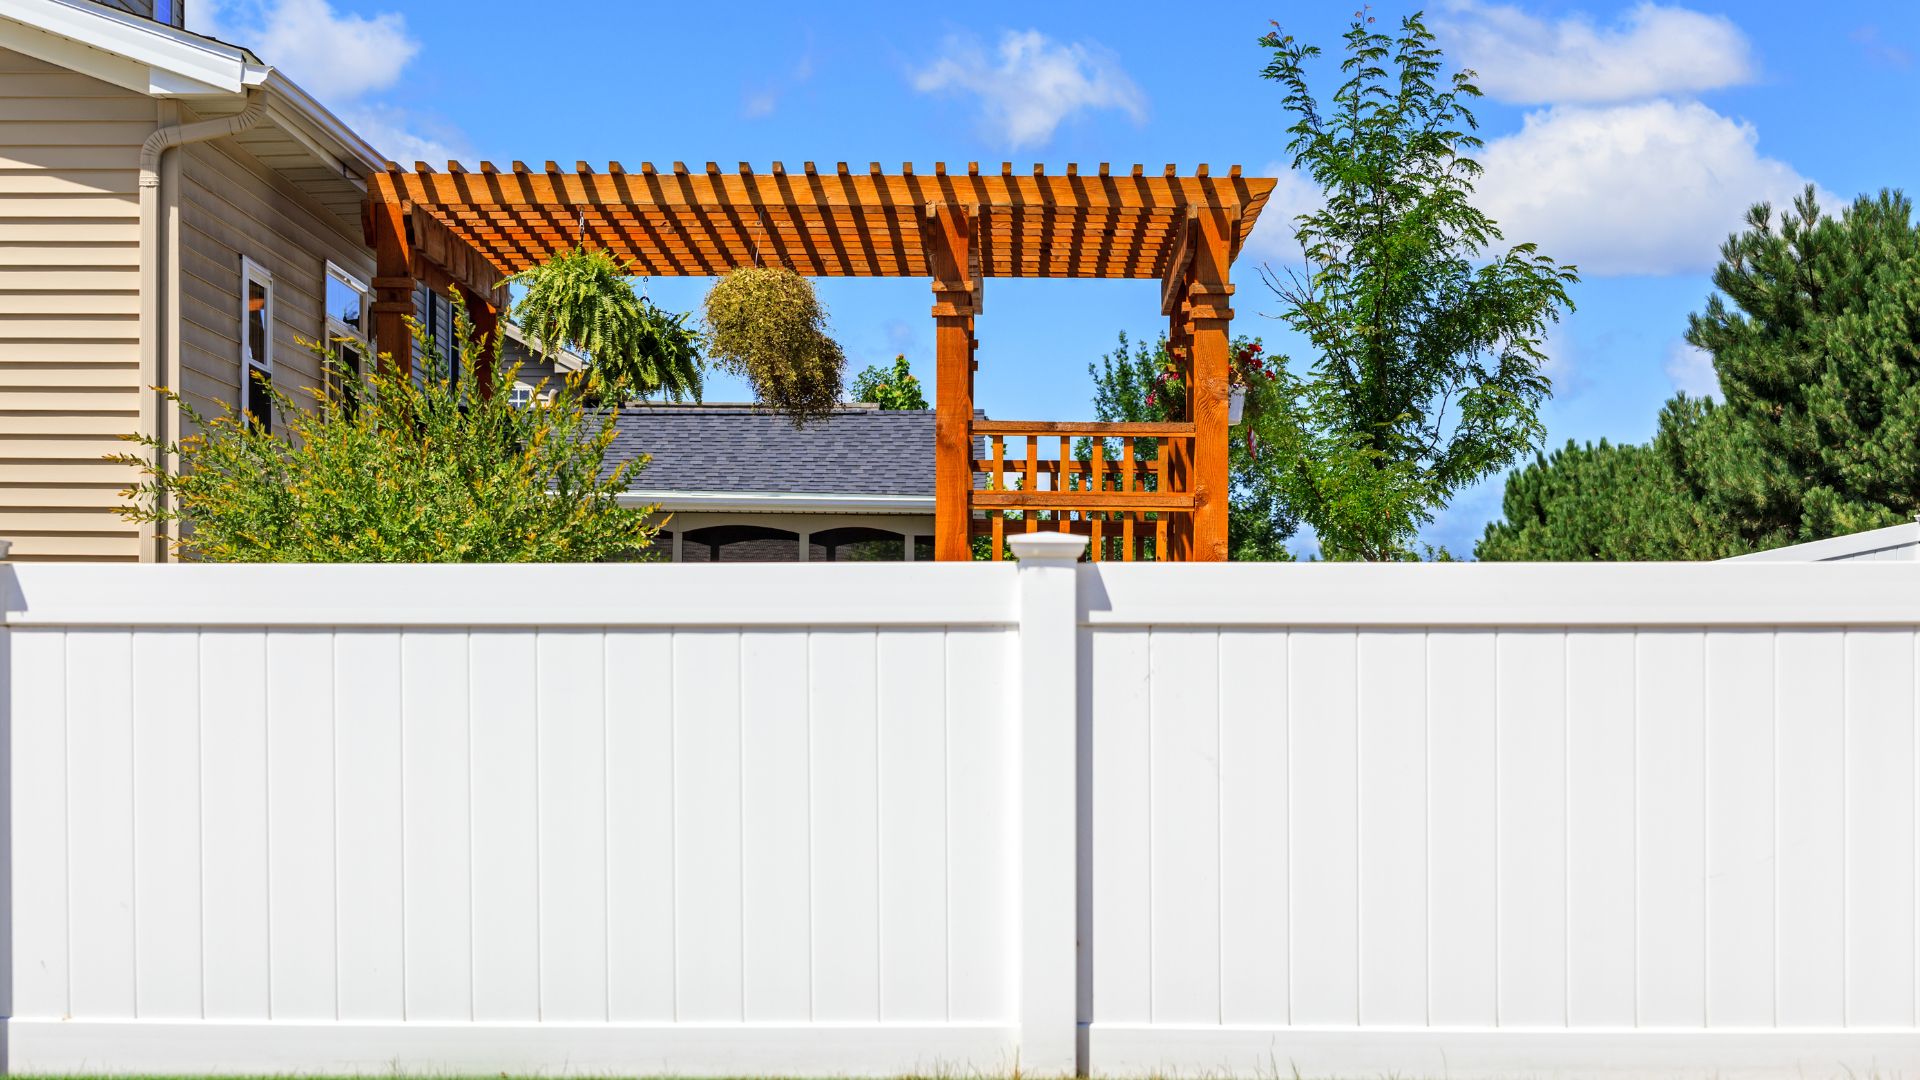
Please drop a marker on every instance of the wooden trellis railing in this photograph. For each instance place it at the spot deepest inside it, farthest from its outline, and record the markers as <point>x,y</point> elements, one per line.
<point>1125,494</point>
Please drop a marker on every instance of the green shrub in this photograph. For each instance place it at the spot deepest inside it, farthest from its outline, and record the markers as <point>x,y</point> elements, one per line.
<point>398,469</point>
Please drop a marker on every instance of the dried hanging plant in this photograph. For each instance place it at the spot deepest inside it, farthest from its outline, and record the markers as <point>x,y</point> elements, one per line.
<point>765,324</point>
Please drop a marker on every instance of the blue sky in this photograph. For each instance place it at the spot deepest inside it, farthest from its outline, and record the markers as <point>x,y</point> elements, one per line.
<point>1625,138</point>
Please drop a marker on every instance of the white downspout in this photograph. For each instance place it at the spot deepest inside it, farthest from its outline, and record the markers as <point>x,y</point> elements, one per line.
<point>153,283</point>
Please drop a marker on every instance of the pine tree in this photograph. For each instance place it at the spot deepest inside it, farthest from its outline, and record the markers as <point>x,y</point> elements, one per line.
<point>1815,336</point>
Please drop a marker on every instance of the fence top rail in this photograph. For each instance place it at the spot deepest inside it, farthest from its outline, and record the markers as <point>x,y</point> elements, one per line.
<point>542,596</point>
<point>1520,595</point>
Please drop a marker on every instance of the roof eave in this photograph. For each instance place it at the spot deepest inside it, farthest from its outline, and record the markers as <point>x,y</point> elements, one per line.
<point>126,50</point>
<point>777,502</point>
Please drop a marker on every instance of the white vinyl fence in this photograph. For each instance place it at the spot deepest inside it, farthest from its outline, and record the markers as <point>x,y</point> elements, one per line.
<point>954,819</point>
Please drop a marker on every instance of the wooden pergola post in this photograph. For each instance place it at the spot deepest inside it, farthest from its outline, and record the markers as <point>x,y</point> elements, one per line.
<point>392,284</point>
<point>949,238</point>
<point>485,315</point>
<point>1209,319</point>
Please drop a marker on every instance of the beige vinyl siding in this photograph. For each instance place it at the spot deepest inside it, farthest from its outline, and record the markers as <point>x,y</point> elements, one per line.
<point>232,206</point>
<point>69,307</point>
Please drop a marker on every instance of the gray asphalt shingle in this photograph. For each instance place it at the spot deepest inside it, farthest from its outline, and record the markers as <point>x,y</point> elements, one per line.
<point>859,450</point>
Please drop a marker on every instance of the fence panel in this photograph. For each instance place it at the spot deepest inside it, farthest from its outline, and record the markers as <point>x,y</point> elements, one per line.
<point>871,819</point>
<point>1411,821</point>
<point>568,836</point>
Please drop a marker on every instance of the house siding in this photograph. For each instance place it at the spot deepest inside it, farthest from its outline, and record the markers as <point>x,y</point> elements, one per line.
<point>232,207</point>
<point>69,307</point>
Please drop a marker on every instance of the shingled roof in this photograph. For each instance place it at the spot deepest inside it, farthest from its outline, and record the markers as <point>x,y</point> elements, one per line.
<point>858,450</point>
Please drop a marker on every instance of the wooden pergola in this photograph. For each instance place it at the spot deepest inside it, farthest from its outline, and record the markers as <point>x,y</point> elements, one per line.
<point>957,228</point>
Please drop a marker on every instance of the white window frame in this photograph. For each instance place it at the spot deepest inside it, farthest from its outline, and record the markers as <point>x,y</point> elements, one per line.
<point>251,272</point>
<point>335,328</point>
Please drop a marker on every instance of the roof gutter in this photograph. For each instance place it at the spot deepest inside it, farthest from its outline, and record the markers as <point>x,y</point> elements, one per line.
<point>153,283</point>
<point>777,502</point>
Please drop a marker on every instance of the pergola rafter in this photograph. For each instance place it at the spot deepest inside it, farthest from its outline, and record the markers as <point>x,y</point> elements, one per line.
<point>956,228</point>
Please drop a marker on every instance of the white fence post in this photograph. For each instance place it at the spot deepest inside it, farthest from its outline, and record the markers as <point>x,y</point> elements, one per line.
<point>1048,718</point>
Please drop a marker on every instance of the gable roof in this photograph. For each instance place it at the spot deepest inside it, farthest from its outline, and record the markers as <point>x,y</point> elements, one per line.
<point>733,456</point>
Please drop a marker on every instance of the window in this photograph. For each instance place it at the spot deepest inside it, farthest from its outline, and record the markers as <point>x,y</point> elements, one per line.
<point>256,341</point>
<point>520,396</point>
<point>346,329</point>
<point>440,332</point>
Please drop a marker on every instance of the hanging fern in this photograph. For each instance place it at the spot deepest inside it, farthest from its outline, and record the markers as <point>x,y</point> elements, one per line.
<point>766,325</point>
<point>584,300</point>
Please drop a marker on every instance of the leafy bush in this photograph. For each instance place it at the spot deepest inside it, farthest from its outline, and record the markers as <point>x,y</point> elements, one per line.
<point>397,470</point>
<point>765,324</point>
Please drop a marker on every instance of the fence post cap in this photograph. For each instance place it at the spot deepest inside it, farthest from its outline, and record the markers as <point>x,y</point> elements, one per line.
<point>1047,547</point>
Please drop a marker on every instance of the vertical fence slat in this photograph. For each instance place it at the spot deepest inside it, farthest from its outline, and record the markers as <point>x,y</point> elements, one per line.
<point>640,694</point>
<point>233,791</point>
<point>707,822</point>
<point>1671,824</point>
<point>300,824</point>
<point>37,782</point>
<point>1740,828</point>
<point>1184,796</point>
<point>1122,826</point>
<point>913,855</point>
<point>1600,832</point>
<point>166,823</point>
<point>1880,828</point>
<point>573,825</point>
<point>980,717</point>
<point>1393,828</point>
<point>1323,846</point>
<point>505,749</point>
<point>367,801</point>
<point>100,821</point>
<point>775,860</point>
<point>1810,870</point>
<point>1462,829</point>
<point>436,774</point>
<point>1253,826</point>
<point>842,686</point>
<point>1532,903</point>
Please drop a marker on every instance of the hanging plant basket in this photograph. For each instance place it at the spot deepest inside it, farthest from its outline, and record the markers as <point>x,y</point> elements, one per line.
<point>765,324</point>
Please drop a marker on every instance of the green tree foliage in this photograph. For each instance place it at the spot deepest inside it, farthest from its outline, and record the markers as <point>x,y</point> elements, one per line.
<point>1135,383</point>
<point>583,299</point>
<point>890,387</point>
<point>1815,336</point>
<point>1426,374</point>
<point>1607,502</point>
<point>397,470</point>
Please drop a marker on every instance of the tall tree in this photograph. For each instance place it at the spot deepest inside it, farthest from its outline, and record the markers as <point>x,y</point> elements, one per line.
<point>1815,337</point>
<point>1426,334</point>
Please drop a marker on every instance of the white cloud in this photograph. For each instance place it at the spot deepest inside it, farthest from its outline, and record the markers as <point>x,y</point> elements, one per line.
<point>339,57</point>
<point>1294,194</point>
<point>333,54</point>
<point>1030,84</point>
<point>399,136</point>
<point>1652,50</point>
<point>1651,188</point>
<point>1691,370</point>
